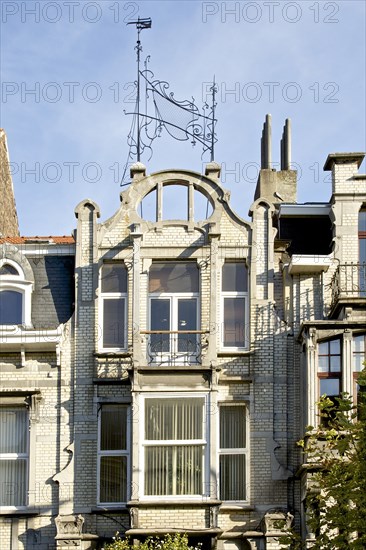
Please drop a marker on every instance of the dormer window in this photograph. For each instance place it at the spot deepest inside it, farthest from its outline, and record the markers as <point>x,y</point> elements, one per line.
<point>15,295</point>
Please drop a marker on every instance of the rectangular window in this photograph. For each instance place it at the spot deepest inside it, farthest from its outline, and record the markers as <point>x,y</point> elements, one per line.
<point>113,454</point>
<point>114,306</point>
<point>174,310</point>
<point>234,305</point>
<point>359,358</point>
<point>233,453</point>
<point>174,446</point>
<point>329,368</point>
<point>14,456</point>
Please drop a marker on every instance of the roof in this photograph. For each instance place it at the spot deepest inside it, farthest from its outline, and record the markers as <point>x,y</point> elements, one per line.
<point>52,239</point>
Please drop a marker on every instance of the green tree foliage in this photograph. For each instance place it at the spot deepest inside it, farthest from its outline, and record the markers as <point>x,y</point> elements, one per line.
<point>335,453</point>
<point>169,542</point>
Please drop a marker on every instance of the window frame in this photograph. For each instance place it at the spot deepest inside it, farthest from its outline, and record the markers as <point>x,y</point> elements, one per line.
<point>117,452</point>
<point>243,451</point>
<point>17,283</point>
<point>355,373</point>
<point>329,374</point>
<point>234,294</point>
<point>106,295</point>
<point>19,456</point>
<point>205,442</point>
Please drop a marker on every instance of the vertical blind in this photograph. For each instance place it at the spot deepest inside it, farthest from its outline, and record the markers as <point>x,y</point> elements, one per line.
<point>13,456</point>
<point>174,446</point>
<point>232,453</point>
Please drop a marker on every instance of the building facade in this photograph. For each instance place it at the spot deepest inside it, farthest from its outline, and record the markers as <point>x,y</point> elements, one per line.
<point>156,373</point>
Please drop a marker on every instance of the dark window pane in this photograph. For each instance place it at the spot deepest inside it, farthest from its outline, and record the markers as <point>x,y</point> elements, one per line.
<point>234,322</point>
<point>232,477</point>
<point>114,323</point>
<point>11,303</point>
<point>113,479</point>
<point>234,277</point>
<point>173,277</point>
<point>329,386</point>
<point>114,278</point>
<point>362,221</point>
<point>187,320</point>
<point>7,269</point>
<point>113,428</point>
<point>160,320</point>
<point>232,428</point>
<point>335,363</point>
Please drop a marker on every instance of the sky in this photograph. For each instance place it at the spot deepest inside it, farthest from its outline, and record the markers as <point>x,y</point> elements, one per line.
<point>68,70</point>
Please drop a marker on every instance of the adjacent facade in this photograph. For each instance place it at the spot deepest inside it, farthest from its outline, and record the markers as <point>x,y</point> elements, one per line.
<point>156,373</point>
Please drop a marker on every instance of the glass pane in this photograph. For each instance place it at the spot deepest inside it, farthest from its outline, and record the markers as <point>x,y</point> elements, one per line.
<point>362,220</point>
<point>13,484</point>
<point>335,347</point>
<point>323,363</point>
<point>358,359</point>
<point>359,343</point>
<point>160,320</point>
<point>7,269</point>
<point>13,430</point>
<point>323,348</point>
<point>113,429</point>
<point>173,470</point>
<point>174,419</point>
<point>114,323</point>
<point>235,277</point>
<point>114,278</point>
<point>187,320</point>
<point>232,477</point>
<point>113,479</point>
<point>11,307</point>
<point>329,386</point>
<point>335,363</point>
<point>232,428</point>
<point>173,277</point>
<point>234,317</point>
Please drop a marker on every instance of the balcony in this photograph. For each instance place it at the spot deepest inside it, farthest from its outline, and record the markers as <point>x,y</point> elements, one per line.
<point>172,348</point>
<point>349,283</point>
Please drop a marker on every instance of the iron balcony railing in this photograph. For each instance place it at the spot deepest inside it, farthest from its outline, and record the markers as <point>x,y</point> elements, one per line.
<point>349,281</point>
<point>175,347</point>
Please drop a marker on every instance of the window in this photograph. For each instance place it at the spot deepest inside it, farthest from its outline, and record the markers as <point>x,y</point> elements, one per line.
<point>329,368</point>
<point>359,357</point>
<point>362,250</point>
<point>234,305</point>
<point>15,295</point>
<point>14,454</point>
<point>113,454</point>
<point>233,452</point>
<point>174,446</point>
<point>174,293</point>
<point>114,306</point>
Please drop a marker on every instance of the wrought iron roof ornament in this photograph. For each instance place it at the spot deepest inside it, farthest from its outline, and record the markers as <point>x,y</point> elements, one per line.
<point>183,120</point>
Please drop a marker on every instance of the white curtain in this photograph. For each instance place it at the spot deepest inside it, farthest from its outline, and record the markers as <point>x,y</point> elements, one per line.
<point>174,469</point>
<point>13,456</point>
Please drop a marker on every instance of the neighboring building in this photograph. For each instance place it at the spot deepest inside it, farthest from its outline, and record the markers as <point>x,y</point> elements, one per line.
<point>8,213</point>
<point>165,390</point>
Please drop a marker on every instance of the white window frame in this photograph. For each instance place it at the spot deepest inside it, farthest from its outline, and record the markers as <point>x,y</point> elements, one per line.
<point>234,294</point>
<point>18,283</point>
<point>19,456</point>
<point>174,297</point>
<point>204,442</point>
<point>123,296</point>
<point>235,451</point>
<point>119,452</point>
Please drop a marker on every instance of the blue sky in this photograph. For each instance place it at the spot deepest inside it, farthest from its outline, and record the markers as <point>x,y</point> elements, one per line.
<point>67,140</point>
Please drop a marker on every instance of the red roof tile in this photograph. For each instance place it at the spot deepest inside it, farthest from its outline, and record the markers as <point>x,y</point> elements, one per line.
<point>52,239</point>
